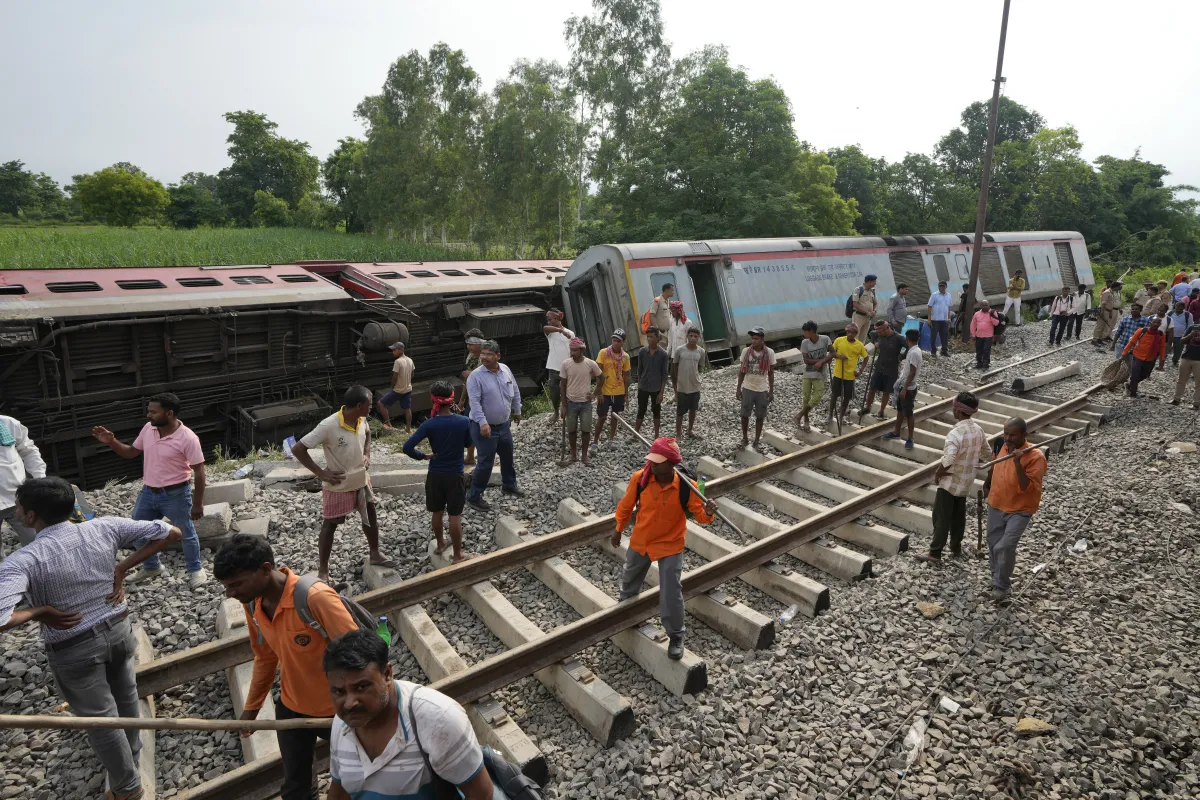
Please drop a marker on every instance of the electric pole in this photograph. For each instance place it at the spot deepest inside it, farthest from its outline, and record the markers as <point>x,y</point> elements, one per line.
<point>981,213</point>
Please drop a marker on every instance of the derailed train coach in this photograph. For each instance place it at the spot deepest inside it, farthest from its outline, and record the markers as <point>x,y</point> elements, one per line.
<point>255,352</point>
<point>731,285</point>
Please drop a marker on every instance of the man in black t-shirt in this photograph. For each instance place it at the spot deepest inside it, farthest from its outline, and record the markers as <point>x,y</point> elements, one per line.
<point>1189,367</point>
<point>885,370</point>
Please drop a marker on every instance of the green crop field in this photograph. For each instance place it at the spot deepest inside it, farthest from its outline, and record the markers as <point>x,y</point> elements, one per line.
<point>87,246</point>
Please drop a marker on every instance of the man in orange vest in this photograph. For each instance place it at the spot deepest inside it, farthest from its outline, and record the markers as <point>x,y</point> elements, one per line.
<point>660,495</point>
<point>1145,345</point>
<point>1014,490</point>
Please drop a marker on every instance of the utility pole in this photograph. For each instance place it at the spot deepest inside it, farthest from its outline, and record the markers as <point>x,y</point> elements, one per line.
<point>981,213</point>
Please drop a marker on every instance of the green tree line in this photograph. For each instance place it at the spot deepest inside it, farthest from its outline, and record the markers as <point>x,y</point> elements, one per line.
<point>627,142</point>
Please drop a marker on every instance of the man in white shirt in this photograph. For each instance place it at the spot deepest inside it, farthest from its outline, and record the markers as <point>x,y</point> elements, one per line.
<point>345,438</point>
<point>19,459</point>
<point>677,335</point>
<point>559,339</point>
<point>756,384</point>
<point>965,450</point>
<point>394,739</point>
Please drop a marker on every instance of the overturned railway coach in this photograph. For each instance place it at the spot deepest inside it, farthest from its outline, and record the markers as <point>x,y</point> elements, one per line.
<point>255,352</point>
<point>731,285</point>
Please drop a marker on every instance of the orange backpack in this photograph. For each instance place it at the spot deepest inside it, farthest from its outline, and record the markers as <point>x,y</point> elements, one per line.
<point>647,319</point>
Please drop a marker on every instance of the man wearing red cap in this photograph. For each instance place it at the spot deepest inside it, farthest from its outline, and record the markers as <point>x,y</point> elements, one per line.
<point>663,502</point>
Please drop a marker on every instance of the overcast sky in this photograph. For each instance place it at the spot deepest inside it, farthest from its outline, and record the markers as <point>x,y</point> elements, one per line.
<point>88,84</point>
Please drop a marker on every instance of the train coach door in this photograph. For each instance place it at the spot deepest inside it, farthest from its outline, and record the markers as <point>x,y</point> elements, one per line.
<point>709,306</point>
<point>591,316</point>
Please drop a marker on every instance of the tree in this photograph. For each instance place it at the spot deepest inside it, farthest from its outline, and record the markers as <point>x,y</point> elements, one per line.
<point>315,211</point>
<point>23,193</point>
<point>195,202</point>
<point>263,161</point>
<point>117,196</point>
<point>271,211</point>
<point>345,178</point>
<point>528,152</point>
<point>961,150</point>
<point>865,180</point>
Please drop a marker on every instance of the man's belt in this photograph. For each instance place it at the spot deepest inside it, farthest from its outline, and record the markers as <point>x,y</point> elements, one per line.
<point>99,627</point>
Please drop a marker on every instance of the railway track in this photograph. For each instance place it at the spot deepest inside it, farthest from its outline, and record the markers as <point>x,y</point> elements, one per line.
<point>872,498</point>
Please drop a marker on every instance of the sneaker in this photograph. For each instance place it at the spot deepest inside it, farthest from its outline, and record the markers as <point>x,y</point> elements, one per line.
<point>478,503</point>
<point>1000,595</point>
<point>144,574</point>
<point>908,444</point>
<point>675,648</point>
<point>197,578</point>
<point>515,492</point>
<point>891,435</point>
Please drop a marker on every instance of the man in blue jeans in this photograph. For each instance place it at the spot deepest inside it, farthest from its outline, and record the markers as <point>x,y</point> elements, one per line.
<point>171,455</point>
<point>495,399</point>
<point>939,319</point>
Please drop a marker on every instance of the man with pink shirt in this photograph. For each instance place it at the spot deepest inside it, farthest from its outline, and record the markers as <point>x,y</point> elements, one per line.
<point>983,328</point>
<point>171,455</point>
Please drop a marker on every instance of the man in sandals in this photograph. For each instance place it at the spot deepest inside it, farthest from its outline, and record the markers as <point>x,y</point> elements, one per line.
<point>815,350</point>
<point>445,493</point>
<point>345,485</point>
<point>66,575</point>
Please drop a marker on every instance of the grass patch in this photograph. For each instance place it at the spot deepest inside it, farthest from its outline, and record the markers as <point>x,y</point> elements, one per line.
<point>536,404</point>
<point>99,246</point>
<point>223,462</point>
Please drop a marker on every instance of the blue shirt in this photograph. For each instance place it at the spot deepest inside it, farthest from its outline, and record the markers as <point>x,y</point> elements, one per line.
<point>1180,291</point>
<point>494,395</point>
<point>1180,322</point>
<point>1125,329</point>
<point>939,307</point>
<point>447,435</point>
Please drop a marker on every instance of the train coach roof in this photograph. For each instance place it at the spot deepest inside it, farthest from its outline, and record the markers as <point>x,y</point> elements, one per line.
<point>722,247</point>
<point>62,293</point>
<point>406,278</point>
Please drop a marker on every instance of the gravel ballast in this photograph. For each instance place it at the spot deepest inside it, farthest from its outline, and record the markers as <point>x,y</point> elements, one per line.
<point>1102,644</point>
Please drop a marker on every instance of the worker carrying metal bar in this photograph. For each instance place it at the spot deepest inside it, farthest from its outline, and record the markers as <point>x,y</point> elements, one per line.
<point>663,501</point>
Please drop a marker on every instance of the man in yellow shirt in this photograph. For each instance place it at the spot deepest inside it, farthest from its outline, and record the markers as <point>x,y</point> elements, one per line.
<point>847,354</point>
<point>613,387</point>
<point>1015,287</point>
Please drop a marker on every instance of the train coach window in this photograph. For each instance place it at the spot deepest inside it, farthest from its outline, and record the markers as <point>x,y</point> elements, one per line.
<point>246,280</point>
<point>507,271</point>
<point>67,287</point>
<point>422,273</point>
<point>482,272</point>
<point>297,279</point>
<point>144,284</point>
<point>389,276</point>
<point>195,283</point>
<point>939,266</point>
<point>12,288</point>
<point>453,273</point>
<point>960,264</point>
<point>533,270</point>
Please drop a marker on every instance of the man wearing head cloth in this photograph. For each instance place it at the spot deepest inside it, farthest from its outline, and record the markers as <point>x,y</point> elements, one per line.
<point>965,450</point>
<point>557,337</point>
<point>663,501</point>
<point>676,336</point>
<point>577,373</point>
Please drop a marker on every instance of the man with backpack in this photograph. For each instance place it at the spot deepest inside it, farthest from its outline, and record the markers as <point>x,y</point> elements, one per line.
<point>658,314</point>
<point>861,304</point>
<point>286,641</point>
<point>393,738</point>
<point>659,533</point>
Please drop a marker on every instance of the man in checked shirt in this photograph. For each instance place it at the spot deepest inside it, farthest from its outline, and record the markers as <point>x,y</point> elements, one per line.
<point>73,589</point>
<point>965,450</point>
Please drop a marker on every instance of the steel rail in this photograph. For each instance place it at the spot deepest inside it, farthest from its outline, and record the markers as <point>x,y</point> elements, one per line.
<point>259,779</point>
<point>194,663</point>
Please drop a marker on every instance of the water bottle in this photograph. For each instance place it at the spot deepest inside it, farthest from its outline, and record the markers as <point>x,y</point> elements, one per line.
<point>788,613</point>
<point>700,486</point>
<point>383,631</point>
<point>244,472</point>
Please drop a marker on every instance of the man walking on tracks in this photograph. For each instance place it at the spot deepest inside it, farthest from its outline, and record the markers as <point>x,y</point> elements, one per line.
<point>1128,324</point>
<point>577,373</point>
<point>965,449</point>
<point>67,576</point>
<point>864,303</point>
<point>1109,313</point>
<point>291,621</point>
<point>345,438</point>
<point>663,501</point>
<point>848,352</point>
<point>496,404</point>
<point>447,433</point>
<point>1147,344</point>
<point>171,454</point>
<point>1189,367</point>
<point>1014,490</point>
<point>756,384</point>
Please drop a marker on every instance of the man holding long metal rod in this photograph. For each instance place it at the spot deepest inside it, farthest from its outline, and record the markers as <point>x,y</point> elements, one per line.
<point>663,501</point>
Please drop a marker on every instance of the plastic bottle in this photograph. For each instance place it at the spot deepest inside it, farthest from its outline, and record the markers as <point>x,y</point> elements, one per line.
<point>700,486</point>
<point>244,472</point>
<point>788,613</point>
<point>383,631</point>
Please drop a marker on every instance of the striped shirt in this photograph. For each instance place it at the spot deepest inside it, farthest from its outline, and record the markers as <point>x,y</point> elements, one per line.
<point>966,447</point>
<point>70,567</point>
<point>399,773</point>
